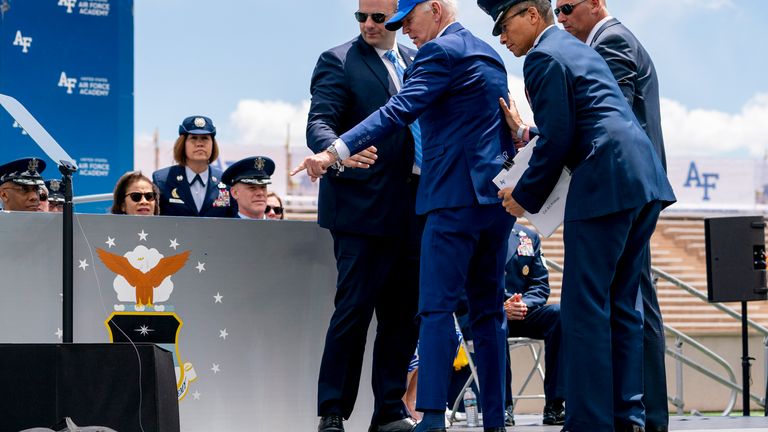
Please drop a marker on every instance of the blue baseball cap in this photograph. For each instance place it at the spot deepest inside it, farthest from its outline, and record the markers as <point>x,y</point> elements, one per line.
<point>255,170</point>
<point>25,172</point>
<point>197,125</point>
<point>404,7</point>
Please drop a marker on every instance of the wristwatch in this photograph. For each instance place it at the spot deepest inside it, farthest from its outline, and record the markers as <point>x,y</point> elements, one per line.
<point>337,160</point>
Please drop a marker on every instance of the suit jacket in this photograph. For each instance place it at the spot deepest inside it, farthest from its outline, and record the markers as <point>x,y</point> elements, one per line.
<point>585,124</point>
<point>524,272</point>
<point>176,197</point>
<point>634,71</point>
<point>348,83</point>
<point>452,87</point>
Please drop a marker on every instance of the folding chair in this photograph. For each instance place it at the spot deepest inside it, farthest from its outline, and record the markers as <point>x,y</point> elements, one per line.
<point>536,346</point>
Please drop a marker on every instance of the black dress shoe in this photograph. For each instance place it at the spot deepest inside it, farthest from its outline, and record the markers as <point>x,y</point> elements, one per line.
<point>652,428</point>
<point>509,416</point>
<point>331,423</point>
<point>495,429</point>
<point>554,413</point>
<point>403,425</point>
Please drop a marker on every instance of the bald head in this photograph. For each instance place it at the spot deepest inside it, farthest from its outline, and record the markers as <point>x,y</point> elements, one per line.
<point>583,16</point>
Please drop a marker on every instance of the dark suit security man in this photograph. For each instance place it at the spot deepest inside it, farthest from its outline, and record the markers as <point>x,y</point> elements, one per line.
<point>526,282</point>
<point>451,88</point>
<point>618,187</point>
<point>370,214</point>
<point>20,183</point>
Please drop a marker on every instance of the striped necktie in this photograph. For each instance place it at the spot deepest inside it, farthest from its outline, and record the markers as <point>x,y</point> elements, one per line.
<point>415,129</point>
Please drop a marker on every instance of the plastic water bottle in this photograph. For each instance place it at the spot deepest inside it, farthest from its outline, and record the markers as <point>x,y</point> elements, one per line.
<point>470,408</point>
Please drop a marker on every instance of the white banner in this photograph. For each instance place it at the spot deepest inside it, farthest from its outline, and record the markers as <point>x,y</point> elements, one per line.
<point>713,184</point>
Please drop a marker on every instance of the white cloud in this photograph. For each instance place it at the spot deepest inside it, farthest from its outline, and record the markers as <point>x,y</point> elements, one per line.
<point>267,123</point>
<point>714,133</point>
<point>696,132</point>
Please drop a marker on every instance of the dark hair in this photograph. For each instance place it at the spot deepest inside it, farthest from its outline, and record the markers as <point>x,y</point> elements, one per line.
<point>272,194</point>
<point>544,7</point>
<point>180,151</point>
<point>121,189</point>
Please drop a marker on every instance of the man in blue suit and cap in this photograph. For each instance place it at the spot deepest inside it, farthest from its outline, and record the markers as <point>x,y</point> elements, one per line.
<point>247,180</point>
<point>617,190</point>
<point>20,183</point>
<point>452,88</point>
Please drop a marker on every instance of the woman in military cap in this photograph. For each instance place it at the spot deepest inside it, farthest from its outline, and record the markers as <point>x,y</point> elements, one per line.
<point>193,187</point>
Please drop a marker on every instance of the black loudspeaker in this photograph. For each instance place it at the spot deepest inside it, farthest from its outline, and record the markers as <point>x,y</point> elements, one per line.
<point>124,387</point>
<point>735,259</point>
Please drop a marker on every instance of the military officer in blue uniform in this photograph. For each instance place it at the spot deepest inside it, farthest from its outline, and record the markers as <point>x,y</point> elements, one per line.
<point>55,195</point>
<point>617,190</point>
<point>193,187</point>
<point>20,183</point>
<point>526,282</point>
<point>248,179</point>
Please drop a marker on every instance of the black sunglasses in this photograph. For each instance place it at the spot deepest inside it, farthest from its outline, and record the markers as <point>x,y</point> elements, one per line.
<point>43,197</point>
<point>277,210</point>
<point>567,8</point>
<point>378,18</point>
<point>136,196</point>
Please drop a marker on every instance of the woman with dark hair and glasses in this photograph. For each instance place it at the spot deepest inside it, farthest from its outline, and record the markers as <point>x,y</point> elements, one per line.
<point>135,194</point>
<point>275,209</point>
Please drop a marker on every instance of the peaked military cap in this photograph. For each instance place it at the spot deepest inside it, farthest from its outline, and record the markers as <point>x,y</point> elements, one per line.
<point>253,170</point>
<point>496,9</point>
<point>25,172</point>
<point>55,190</point>
<point>197,125</point>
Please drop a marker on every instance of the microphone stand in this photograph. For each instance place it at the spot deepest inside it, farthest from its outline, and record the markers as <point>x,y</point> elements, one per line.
<point>67,168</point>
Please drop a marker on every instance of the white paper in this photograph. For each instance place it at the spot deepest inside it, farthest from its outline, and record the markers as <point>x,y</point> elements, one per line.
<point>552,213</point>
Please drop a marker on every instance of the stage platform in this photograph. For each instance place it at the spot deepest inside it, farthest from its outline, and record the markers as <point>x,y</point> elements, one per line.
<point>532,423</point>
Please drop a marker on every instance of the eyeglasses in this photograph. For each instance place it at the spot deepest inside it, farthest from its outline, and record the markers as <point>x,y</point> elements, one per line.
<point>43,197</point>
<point>567,8</point>
<point>277,210</point>
<point>503,25</point>
<point>378,17</point>
<point>136,196</point>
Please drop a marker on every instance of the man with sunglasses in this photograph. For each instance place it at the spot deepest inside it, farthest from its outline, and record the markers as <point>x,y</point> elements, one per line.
<point>248,179</point>
<point>20,183</point>
<point>585,124</point>
<point>370,212</point>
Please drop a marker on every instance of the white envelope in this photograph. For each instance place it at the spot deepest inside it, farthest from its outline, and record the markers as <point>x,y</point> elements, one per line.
<point>552,212</point>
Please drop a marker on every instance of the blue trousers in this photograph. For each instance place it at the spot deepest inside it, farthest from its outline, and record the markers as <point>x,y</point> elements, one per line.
<point>602,329</point>
<point>654,370</point>
<point>463,249</point>
<point>541,323</point>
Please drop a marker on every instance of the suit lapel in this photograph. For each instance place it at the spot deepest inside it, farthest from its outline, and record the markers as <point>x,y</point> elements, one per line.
<point>211,190</point>
<point>374,62</point>
<point>182,188</point>
<point>611,22</point>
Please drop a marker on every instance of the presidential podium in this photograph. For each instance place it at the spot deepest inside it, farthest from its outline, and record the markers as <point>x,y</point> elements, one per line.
<point>122,386</point>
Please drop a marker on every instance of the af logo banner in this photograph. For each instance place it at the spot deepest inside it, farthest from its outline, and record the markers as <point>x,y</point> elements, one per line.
<point>143,285</point>
<point>709,183</point>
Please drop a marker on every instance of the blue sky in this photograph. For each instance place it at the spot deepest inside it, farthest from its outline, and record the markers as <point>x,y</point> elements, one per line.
<point>247,64</point>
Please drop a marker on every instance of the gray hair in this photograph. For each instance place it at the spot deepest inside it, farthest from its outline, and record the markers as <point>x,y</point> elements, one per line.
<point>451,6</point>
<point>544,7</point>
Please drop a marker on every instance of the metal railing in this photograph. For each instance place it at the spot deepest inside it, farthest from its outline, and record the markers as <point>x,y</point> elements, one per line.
<point>728,381</point>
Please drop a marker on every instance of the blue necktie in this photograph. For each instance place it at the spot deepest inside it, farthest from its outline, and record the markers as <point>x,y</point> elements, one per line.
<point>415,129</point>
<point>197,179</point>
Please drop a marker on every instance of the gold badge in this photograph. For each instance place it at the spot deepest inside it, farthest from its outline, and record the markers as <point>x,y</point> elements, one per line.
<point>199,122</point>
<point>55,185</point>
<point>174,193</point>
<point>32,165</point>
<point>526,270</point>
<point>259,164</point>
